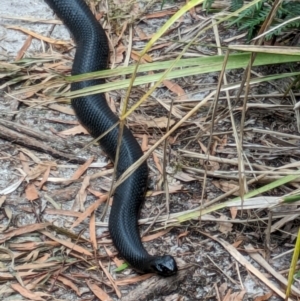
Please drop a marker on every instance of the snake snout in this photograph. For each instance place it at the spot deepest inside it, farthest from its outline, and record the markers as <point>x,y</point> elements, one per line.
<point>164,265</point>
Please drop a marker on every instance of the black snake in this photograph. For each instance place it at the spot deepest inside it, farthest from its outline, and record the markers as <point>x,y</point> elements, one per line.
<point>94,113</point>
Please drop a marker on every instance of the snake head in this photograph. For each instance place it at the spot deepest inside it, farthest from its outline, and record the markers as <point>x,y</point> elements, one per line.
<point>163,265</point>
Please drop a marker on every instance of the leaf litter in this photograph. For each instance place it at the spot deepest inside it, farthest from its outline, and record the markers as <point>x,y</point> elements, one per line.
<point>65,247</point>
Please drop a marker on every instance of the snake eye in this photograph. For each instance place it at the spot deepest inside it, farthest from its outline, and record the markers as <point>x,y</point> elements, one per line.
<point>164,266</point>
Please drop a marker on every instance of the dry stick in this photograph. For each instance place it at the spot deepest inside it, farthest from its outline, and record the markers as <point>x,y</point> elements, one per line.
<point>31,132</point>
<point>120,135</point>
<point>268,236</point>
<point>166,186</point>
<point>32,143</point>
<point>214,115</point>
<point>190,154</point>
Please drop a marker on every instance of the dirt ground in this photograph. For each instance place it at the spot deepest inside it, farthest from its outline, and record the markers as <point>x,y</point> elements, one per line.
<point>54,183</point>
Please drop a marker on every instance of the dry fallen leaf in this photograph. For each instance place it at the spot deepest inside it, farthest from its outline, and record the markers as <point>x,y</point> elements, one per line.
<point>89,210</point>
<point>156,235</point>
<point>22,230</point>
<point>68,244</point>
<point>233,211</point>
<point>69,283</point>
<point>226,186</point>
<point>98,292</point>
<point>183,176</point>
<point>31,192</point>
<point>235,296</point>
<point>225,227</point>
<point>160,122</point>
<point>265,297</point>
<point>110,278</point>
<point>80,171</point>
<point>62,109</point>
<point>119,53</point>
<point>79,129</point>
<point>39,36</point>
<point>24,48</point>
<point>36,296</point>
<point>134,279</point>
<point>82,194</point>
<point>172,86</point>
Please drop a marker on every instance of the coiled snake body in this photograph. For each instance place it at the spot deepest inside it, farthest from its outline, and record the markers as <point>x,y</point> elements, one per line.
<point>94,113</point>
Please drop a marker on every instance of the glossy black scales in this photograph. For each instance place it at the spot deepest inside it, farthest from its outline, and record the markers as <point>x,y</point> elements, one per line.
<point>93,112</point>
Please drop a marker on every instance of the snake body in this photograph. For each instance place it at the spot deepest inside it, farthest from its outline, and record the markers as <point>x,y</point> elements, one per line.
<point>95,115</point>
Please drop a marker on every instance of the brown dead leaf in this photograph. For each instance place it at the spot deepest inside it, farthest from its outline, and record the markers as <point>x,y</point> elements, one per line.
<point>36,171</point>
<point>22,230</point>
<point>63,212</point>
<point>160,14</point>
<point>39,36</point>
<point>67,244</point>
<point>133,280</point>
<point>45,177</point>
<point>119,53</point>
<point>172,86</point>
<point>89,210</point>
<point>97,291</point>
<point>93,230</point>
<point>24,48</point>
<point>183,176</point>
<point>12,276</point>
<point>156,235</point>
<point>96,193</point>
<point>31,192</point>
<point>135,55</point>
<point>235,296</point>
<point>145,142</point>
<point>79,129</point>
<point>36,296</point>
<point>233,211</point>
<point>28,246</point>
<point>160,122</point>
<point>226,186</point>
<point>140,34</point>
<point>214,147</point>
<point>223,288</point>
<point>70,284</point>
<point>62,109</point>
<point>172,189</point>
<point>157,163</point>
<point>225,227</point>
<point>37,266</point>
<point>110,278</point>
<point>203,147</point>
<point>81,170</point>
<point>118,262</point>
<point>24,161</point>
<point>237,243</point>
<point>223,143</point>
<point>183,234</point>
<point>265,297</point>
<point>82,194</point>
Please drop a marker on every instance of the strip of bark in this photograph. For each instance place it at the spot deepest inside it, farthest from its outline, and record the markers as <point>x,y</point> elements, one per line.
<point>157,286</point>
<point>32,143</point>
